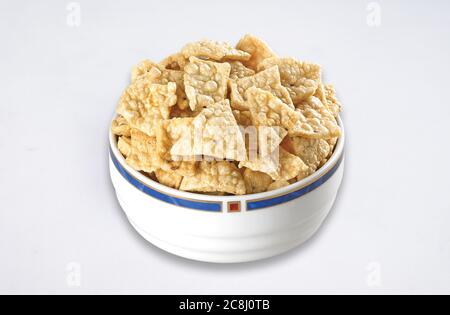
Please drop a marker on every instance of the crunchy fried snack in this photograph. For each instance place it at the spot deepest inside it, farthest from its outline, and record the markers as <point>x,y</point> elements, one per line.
<point>215,177</point>
<point>300,78</point>
<point>120,127</point>
<point>278,184</point>
<point>333,104</point>
<point>256,182</point>
<point>175,62</point>
<point>144,104</point>
<point>218,51</point>
<point>284,166</point>
<point>311,151</point>
<point>124,146</point>
<point>318,115</point>
<point>170,179</point>
<point>141,156</point>
<point>243,118</point>
<point>257,48</point>
<point>141,68</point>
<point>268,80</point>
<point>213,133</point>
<point>220,120</point>
<point>205,82</point>
<point>239,71</point>
<point>310,120</point>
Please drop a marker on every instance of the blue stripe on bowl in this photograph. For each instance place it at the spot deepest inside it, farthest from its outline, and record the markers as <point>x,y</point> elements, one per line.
<point>261,204</point>
<point>191,204</point>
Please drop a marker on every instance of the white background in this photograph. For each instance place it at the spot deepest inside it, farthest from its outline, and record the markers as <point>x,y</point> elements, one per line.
<point>389,231</point>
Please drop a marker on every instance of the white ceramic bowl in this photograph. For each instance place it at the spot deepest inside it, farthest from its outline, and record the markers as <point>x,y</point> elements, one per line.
<point>228,229</point>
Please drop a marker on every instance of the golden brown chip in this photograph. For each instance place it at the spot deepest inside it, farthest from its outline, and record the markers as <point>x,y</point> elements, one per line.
<point>257,48</point>
<point>175,62</point>
<point>218,51</point>
<point>268,80</point>
<point>282,166</point>
<point>144,104</point>
<point>320,118</point>
<point>124,146</point>
<point>169,179</point>
<point>239,71</point>
<point>120,127</point>
<point>311,120</point>
<point>170,132</point>
<point>215,177</point>
<point>205,82</point>
<point>256,182</point>
<point>214,133</point>
<point>278,184</point>
<point>312,151</point>
<point>333,104</point>
<point>243,118</point>
<point>300,78</point>
<point>140,69</point>
<point>142,155</point>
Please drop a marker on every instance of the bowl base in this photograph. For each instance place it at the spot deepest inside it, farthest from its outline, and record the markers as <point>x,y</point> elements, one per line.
<point>225,258</point>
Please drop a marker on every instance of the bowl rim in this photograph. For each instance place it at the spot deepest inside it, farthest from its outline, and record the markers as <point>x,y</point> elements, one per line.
<point>328,166</point>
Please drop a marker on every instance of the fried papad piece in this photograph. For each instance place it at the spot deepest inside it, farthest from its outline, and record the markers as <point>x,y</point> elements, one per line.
<point>160,75</point>
<point>144,103</point>
<point>300,78</point>
<point>310,120</point>
<point>333,104</point>
<point>142,153</point>
<point>243,118</point>
<point>278,184</point>
<point>124,146</point>
<point>120,127</point>
<point>215,133</point>
<point>168,133</point>
<point>169,179</point>
<point>320,118</point>
<point>282,166</point>
<point>256,182</point>
<point>213,177</point>
<point>239,71</point>
<point>312,151</point>
<point>144,157</point>
<point>206,82</point>
<point>257,48</point>
<point>175,62</point>
<point>141,68</point>
<point>268,80</point>
<point>213,50</point>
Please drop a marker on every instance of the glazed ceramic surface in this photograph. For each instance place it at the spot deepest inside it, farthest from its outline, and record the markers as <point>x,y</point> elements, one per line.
<point>228,229</point>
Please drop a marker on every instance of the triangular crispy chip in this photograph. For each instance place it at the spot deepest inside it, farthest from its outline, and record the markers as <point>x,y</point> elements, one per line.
<point>215,177</point>
<point>214,133</point>
<point>268,80</point>
<point>169,179</point>
<point>311,151</point>
<point>278,184</point>
<point>120,127</point>
<point>239,71</point>
<point>213,50</point>
<point>320,118</point>
<point>300,78</point>
<point>257,48</point>
<point>310,121</point>
<point>144,103</point>
<point>282,166</point>
<point>333,104</point>
<point>256,182</point>
<point>205,82</point>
